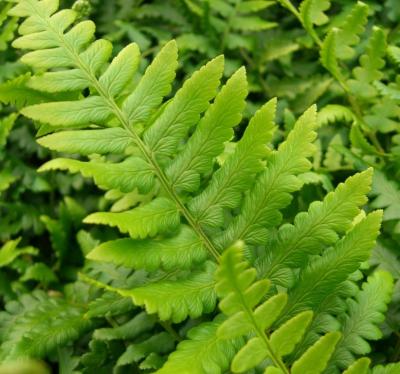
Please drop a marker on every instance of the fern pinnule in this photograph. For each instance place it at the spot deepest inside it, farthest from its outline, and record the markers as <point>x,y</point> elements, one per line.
<point>317,228</point>
<point>235,175</point>
<point>272,189</point>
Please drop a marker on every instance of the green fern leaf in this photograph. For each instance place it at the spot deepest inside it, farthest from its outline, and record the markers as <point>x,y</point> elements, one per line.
<point>121,70</point>
<point>205,352</point>
<point>325,273</point>
<point>127,331</point>
<point>125,176</point>
<point>251,23</point>
<point>194,42</point>
<point>175,300</point>
<point>312,13</point>
<point>87,142</point>
<point>180,251</point>
<point>316,358</point>
<point>110,304</point>
<point>333,159</point>
<point>252,6</point>
<point>371,64</point>
<point>349,30</point>
<point>59,81</point>
<point>387,369</point>
<point>328,54</point>
<point>213,130</point>
<point>41,273</point>
<point>10,251</point>
<point>358,140</point>
<point>160,343</point>
<point>17,92</point>
<point>70,113</point>
<point>388,196</point>
<point>6,124</point>
<point>319,227</point>
<point>147,96</point>
<point>359,367</point>
<point>184,110</point>
<point>334,113</point>
<point>285,338</point>
<point>235,175</point>
<point>37,324</point>
<point>160,215</point>
<point>272,189</point>
<point>364,315</point>
<point>240,294</point>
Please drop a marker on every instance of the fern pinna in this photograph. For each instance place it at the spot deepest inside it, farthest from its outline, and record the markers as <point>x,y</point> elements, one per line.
<point>191,191</point>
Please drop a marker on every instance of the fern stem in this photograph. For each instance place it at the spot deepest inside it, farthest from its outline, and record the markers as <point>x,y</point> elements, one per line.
<point>261,334</point>
<point>228,25</point>
<point>350,97</point>
<point>289,6</point>
<point>168,328</point>
<point>142,147</point>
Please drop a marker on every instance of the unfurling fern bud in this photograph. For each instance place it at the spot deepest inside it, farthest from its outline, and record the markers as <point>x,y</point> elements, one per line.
<point>83,8</point>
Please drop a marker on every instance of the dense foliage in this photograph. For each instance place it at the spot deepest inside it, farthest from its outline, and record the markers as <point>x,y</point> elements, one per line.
<point>232,201</point>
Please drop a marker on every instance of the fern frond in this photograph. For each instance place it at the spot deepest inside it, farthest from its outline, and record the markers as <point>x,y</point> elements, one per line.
<point>87,142</point>
<point>205,352</point>
<point>371,64</point>
<point>175,300</point>
<point>334,113</point>
<point>364,315</point>
<point>157,344</point>
<point>213,130</point>
<point>272,188</point>
<point>251,23</point>
<point>316,358</point>
<point>240,295</point>
<point>110,304</point>
<point>386,369</point>
<point>16,92</point>
<point>8,26</point>
<point>71,113</point>
<point>125,176</point>
<point>160,215</point>
<point>324,274</point>
<point>194,42</point>
<point>37,324</point>
<point>147,96</point>
<point>201,198</point>
<point>252,6</point>
<point>317,228</point>
<point>235,175</point>
<point>328,54</point>
<point>388,196</point>
<point>312,13</point>
<point>180,251</point>
<point>129,330</point>
<point>361,366</point>
<point>6,124</point>
<point>41,273</point>
<point>333,159</point>
<point>349,31</point>
<point>358,140</point>
<point>163,137</point>
<point>9,251</point>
